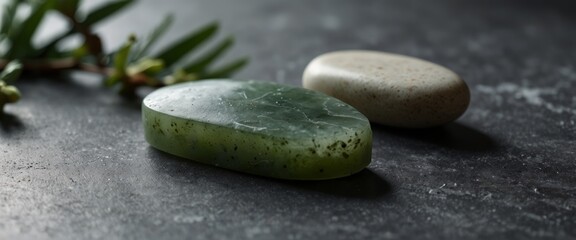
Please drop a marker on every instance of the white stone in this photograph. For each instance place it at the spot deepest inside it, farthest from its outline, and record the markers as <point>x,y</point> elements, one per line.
<point>390,89</point>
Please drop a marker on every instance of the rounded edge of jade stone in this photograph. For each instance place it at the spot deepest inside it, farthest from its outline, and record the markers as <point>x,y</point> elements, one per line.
<point>397,89</point>
<point>268,156</point>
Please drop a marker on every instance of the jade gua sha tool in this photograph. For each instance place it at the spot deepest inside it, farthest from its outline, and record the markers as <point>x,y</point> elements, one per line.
<point>261,128</point>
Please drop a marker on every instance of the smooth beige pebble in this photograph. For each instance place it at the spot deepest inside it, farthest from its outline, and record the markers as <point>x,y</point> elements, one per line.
<point>390,89</point>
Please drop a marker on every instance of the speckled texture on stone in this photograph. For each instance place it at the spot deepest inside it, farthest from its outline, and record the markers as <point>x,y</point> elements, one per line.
<point>74,163</point>
<point>390,89</point>
<point>258,127</point>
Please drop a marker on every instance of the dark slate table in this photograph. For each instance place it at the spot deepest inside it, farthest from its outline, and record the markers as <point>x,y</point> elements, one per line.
<point>74,164</point>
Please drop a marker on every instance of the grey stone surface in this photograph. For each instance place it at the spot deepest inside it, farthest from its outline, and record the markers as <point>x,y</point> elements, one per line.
<point>74,163</point>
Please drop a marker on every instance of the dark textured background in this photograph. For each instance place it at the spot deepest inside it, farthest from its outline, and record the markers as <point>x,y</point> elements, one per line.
<point>74,164</point>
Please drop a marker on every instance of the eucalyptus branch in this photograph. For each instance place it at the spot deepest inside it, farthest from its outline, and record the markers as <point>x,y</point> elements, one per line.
<point>130,67</point>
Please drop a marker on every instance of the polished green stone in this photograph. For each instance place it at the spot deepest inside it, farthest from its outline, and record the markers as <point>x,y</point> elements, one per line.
<point>259,127</point>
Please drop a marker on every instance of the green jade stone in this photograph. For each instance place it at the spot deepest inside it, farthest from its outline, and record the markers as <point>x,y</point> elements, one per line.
<point>260,128</point>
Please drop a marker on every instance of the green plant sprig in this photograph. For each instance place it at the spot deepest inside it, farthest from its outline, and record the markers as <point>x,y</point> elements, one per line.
<point>9,93</point>
<point>128,68</point>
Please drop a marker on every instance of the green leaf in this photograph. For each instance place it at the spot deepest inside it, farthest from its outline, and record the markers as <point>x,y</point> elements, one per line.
<point>23,37</point>
<point>8,16</point>
<point>209,57</point>
<point>179,76</point>
<point>68,7</point>
<point>51,46</point>
<point>185,45</point>
<point>146,66</point>
<point>154,36</point>
<point>227,70</point>
<point>121,62</point>
<point>10,93</point>
<point>105,11</point>
<point>11,72</point>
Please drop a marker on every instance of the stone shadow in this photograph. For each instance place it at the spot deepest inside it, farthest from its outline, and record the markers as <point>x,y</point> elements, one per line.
<point>454,136</point>
<point>365,184</point>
